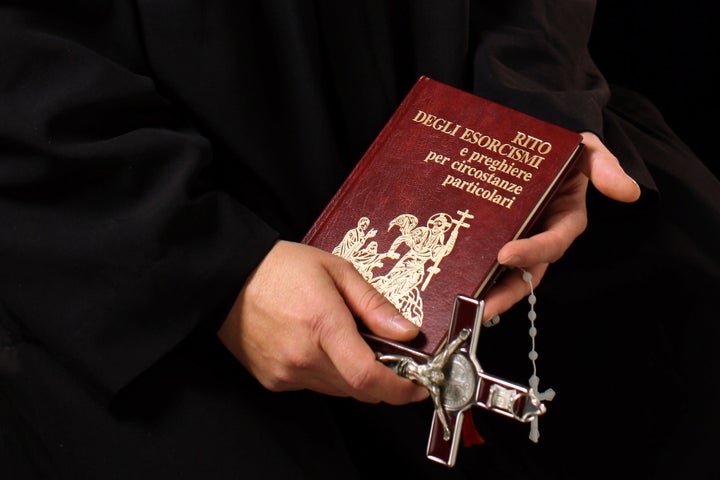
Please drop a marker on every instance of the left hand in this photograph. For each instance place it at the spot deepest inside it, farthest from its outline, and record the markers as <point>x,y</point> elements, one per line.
<point>563,220</point>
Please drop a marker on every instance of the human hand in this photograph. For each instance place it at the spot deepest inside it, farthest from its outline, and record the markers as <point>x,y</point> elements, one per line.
<point>563,220</point>
<point>293,327</point>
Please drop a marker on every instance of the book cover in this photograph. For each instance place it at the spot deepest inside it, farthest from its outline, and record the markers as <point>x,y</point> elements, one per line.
<point>447,182</point>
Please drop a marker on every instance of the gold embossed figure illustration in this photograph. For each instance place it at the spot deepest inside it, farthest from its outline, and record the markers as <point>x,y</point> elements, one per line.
<point>404,282</point>
<point>367,259</point>
<point>354,239</point>
<point>410,275</point>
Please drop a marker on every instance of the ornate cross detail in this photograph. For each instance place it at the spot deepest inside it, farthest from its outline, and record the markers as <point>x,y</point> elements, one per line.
<point>456,381</point>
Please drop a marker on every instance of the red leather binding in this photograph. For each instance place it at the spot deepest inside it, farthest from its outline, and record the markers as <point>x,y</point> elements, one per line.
<point>443,152</point>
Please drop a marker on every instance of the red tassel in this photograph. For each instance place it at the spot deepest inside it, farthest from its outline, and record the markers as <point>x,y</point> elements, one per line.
<point>470,435</point>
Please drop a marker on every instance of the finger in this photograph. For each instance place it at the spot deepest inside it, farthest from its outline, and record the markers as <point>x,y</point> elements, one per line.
<point>510,289</point>
<point>604,171</point>
<point>547,246</point>
<point>301,366</point>
<point>366,378</point>
<point>363,377</point>
<point>319,377</point>
<point>336,361</point>
<point>372,308</point>
<point>562,222</point>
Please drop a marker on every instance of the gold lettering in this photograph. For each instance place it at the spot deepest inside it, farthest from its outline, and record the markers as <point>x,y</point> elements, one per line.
<point>532,143</point>
<point>434,157</point>
<point>512,152</point>
<point>436,123</point>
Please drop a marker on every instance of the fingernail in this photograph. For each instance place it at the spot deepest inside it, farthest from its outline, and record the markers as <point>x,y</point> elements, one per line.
<point>402,324</point>
<point>509,260</point>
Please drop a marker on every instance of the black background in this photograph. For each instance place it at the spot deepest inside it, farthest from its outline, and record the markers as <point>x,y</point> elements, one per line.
<point>667,51</point>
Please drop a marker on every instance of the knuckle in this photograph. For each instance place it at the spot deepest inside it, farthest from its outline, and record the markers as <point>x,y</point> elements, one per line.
<point>371,299</point>
<point>296,360</point>
<point>361,379</point>
<point>275,382</point>
<point>582,222</point>
<point>317,325</point>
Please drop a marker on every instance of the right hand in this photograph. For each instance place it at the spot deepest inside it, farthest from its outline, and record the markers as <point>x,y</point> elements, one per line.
<point>564,219</point>
<point>293,327</point>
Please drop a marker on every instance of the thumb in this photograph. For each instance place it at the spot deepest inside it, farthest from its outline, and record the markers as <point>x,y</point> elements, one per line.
<point>373,309</point>
<point>604,171</point>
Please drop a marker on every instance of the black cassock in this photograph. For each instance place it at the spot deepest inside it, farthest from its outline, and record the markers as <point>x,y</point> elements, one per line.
<point>152,152</point>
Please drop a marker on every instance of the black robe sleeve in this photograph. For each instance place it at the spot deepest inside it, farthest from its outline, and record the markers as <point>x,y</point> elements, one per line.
<point>116,242</point>
<point>533,55</point>
<point>151,152</point>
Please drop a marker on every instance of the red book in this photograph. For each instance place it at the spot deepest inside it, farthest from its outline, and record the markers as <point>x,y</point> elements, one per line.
<point>449,180</point>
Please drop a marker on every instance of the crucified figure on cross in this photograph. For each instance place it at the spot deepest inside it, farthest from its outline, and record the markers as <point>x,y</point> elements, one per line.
<point>430,375</point>
<point>456,381</point>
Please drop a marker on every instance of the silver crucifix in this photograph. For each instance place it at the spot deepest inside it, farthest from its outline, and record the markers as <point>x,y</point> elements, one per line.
<point>456,381</point>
